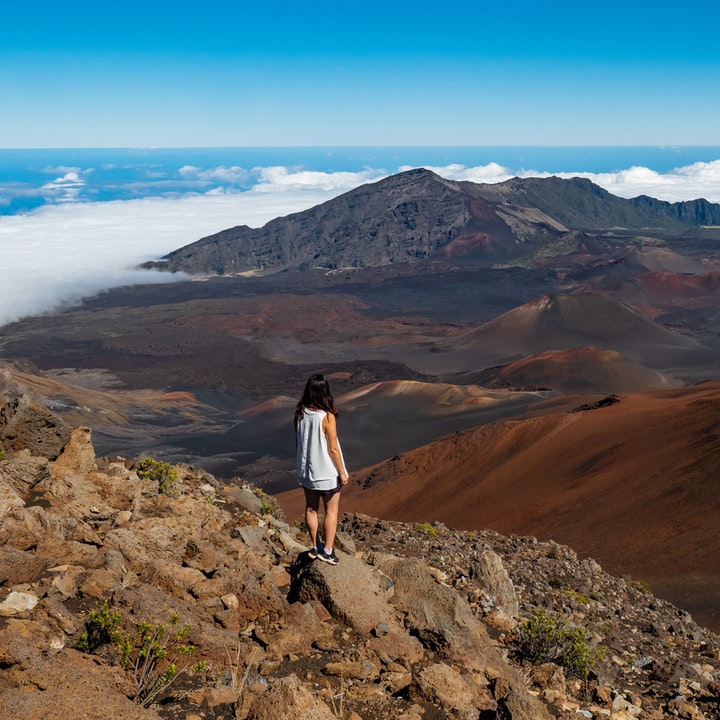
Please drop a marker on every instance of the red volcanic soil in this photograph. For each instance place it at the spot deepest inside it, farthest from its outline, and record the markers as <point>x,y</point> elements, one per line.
<point>582,369</point>
<point>636,485</point>
<point>179,396</point>
<point>662,284</point>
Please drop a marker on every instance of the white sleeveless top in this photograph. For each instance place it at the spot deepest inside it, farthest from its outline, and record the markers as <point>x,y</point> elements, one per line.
<point>315,468</point>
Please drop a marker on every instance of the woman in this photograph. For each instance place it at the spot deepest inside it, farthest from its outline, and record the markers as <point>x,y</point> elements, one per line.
<point>320,465</point>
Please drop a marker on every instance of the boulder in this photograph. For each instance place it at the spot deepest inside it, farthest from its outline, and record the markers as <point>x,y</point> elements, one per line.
<point>356,594</point>
<point>492,577</point>
<point>458,696</point>
<point>438,615</point>
<point>22,472</point>
<point>289,698</point>
<point>24,425</point>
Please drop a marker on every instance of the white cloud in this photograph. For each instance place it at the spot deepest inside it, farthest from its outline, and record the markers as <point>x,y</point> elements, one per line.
<point>700,180</point>
<point>58,254</point>
<point>233,175</point>
<point>282,179</point>
<point>490,173</point>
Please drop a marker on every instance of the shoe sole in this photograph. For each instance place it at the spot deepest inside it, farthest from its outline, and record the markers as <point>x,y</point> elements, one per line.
<point>328,560</point>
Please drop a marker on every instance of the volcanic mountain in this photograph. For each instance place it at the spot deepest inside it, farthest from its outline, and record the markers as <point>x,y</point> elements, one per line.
<point>417,215</point>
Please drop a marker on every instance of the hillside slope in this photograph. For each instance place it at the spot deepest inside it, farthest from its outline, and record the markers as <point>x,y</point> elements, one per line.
<point>634,484</point>
<point>128,593</point>
<point>123,596</point>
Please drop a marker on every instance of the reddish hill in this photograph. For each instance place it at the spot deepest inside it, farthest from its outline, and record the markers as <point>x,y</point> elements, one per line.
<point>582,369</point>
<point>668,286</point>
<point>635,485</point>
<point>557,322</point>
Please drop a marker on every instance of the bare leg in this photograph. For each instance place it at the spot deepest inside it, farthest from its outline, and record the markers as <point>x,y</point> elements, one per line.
<point>332,505</point>
<point>312,503</point>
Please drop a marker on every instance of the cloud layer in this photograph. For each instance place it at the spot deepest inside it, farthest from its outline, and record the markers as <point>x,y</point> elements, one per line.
<point>699,180</point>
<point>57,254</point>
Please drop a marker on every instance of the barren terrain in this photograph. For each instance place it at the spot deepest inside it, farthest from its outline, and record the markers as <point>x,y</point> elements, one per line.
<point>455,370</point>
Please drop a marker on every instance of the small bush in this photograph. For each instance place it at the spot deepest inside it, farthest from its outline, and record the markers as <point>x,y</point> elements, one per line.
<point>640,586</point>
<point>542,639</point>
<point>151,654</point>
<point>269,505</point>
<point>154,654</point>
<point>161,472</point>
<point>576,596</point>
<point>99,629</point>
<point>427,529</point>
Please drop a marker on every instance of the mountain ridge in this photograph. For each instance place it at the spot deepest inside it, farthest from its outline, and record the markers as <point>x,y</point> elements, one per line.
<point>418,216</point>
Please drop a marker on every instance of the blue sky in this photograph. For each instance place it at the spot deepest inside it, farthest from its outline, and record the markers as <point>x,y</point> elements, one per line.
<point>143,74</point>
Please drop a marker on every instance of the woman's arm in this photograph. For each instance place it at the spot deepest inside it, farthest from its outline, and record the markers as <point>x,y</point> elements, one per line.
<point>330,430</point>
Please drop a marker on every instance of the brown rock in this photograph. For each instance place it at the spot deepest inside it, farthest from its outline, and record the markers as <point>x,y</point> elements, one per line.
<point>491,575</point>
<point>355,594</point>
<point>436,613</point>
<point>25,425</point>
<point>289,698</point>
<point>444,686</point>
<point>19,566</point>
<point>77,456</point>
<point>23,472</point>
<point>360,669</point>
<point>65,580</point>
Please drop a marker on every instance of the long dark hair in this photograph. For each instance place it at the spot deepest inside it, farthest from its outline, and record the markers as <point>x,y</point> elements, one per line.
<point>316,395</point>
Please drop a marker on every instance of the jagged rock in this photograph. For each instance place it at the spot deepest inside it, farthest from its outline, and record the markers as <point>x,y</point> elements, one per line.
<point>66,579</point>
<point>493,578</point>
<point>77,456</point>
<point>438,615</point>
<point>21,473</point>
<point>36,686</point>
<point>359,670</point>
<point>459,696</point>
<point>289,698</point>
<point>24,425</point>
<point>357,595</point>
<point>300,629</point>
<point>19,566</point>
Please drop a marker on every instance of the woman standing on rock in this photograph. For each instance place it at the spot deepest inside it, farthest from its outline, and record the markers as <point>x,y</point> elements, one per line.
<point>320,465</point>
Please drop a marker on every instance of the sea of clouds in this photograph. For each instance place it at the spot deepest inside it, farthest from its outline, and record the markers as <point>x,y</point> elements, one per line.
<point>57,254</point>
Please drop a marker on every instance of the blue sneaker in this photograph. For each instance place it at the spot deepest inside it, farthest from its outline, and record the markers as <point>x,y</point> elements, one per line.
<point>313,553</point>
<point>328,557</point>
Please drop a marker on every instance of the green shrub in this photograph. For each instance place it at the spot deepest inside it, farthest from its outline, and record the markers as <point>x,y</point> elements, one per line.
<point>640,586</point>
<point>542,639</point>
<point>161,472</point>
<point>99,629</point>
<point>269,505</point>
<point>427,529</point>
<point>152,653</point>
<point>578,597</point>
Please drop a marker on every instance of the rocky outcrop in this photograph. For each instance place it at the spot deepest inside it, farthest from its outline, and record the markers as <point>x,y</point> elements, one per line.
<point>415,621</point>
<point>25,425</point>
